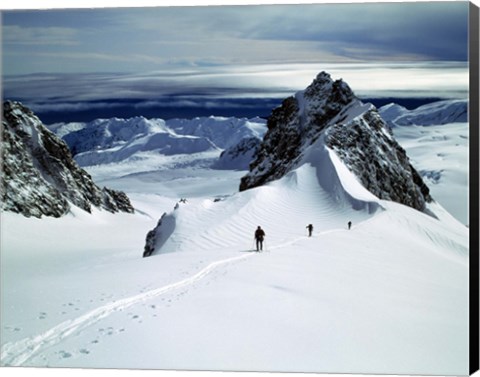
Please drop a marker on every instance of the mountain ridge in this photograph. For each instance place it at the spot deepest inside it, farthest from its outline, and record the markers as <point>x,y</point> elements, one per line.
<point>40,176</point>
<point>330,108</point>
<point>435,113</point>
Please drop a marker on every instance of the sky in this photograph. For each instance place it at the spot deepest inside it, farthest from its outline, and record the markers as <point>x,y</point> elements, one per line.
<point>199,55</point>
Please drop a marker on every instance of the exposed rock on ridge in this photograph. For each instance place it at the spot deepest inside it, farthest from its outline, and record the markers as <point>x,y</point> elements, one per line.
<point>368,149</point>
<point>298,120</point>
<point>355,131</point>
<point>39,175</point>
<point>239,156</point>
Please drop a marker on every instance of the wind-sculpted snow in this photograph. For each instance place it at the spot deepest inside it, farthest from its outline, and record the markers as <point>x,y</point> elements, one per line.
<point>436,113</point>
<point>314,192</point>
<point>353,130</point>
<point>105,141</point>
<point>40,176</point>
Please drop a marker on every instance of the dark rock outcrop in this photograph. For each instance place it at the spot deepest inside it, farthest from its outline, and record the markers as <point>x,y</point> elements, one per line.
<point>368,149</point>
<point>39,175</point>
<point>159,235</point>
<point>151,238</point>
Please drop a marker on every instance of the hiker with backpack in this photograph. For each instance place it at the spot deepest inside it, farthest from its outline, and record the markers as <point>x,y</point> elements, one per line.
<point>259,236</point>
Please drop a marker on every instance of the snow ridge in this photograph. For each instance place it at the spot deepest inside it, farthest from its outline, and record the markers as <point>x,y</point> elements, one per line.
<point>314,191</point>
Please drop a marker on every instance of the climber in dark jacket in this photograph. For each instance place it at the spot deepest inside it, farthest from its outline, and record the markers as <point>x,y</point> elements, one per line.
<point>259,236</point>
<point>310,229</point>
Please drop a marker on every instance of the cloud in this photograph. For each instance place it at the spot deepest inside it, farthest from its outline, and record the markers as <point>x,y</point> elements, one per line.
<point>241,81</point>
<point>143,39</point>
<point>34,36</point>
<point>48,107</point>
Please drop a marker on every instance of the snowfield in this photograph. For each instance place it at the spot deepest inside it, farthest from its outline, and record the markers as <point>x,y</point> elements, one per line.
<point>441,155</point>
<point>388,296</point>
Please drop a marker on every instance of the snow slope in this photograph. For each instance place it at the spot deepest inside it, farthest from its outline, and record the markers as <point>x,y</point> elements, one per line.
<point>441,155</point>
<point>436,138</point>
<point>224,132</point>
<point>388,296</point>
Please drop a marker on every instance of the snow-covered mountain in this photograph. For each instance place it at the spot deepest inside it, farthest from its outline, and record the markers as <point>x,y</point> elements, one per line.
<point>40,176</point>
<point>327,114</point>
<point>436,113</point>
<point>224,132</point>
<point>105,141</point>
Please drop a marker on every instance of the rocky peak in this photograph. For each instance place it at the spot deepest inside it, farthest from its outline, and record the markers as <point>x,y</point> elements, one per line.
<point>293,124</point>
<point>40,176</point>
<point>329,91</point>
<point>353,130</point>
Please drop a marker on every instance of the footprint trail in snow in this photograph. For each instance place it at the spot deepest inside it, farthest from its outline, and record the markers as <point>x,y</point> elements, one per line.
<point>18,353</point>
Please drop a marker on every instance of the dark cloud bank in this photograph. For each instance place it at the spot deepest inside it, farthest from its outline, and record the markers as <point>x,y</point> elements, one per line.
<point>173,107</point>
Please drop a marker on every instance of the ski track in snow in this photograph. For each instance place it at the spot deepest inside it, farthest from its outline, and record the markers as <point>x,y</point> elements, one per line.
<point>18,353</point>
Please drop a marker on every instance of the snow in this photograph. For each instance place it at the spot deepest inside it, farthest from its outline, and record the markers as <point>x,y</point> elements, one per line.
<point>62,129</point>
<point>392,111</point>
<point>436,113</point>
<point>222,131</point>
<point>105,141</point>
<point>441,155</point>
<point>355,109</point>
<point>388,296</point>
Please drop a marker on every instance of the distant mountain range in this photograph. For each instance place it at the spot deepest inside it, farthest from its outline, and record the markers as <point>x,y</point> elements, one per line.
<point>326,109</point>
<point>236,139</point>
<point>113,140</point>
<point>441,112</point>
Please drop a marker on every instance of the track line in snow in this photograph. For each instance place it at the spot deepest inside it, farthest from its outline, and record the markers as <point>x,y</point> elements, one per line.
<point>18,353</point>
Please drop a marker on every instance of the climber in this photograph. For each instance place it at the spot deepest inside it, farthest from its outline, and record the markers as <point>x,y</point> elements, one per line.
<point>259,236</point>
<point>310,229</point>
